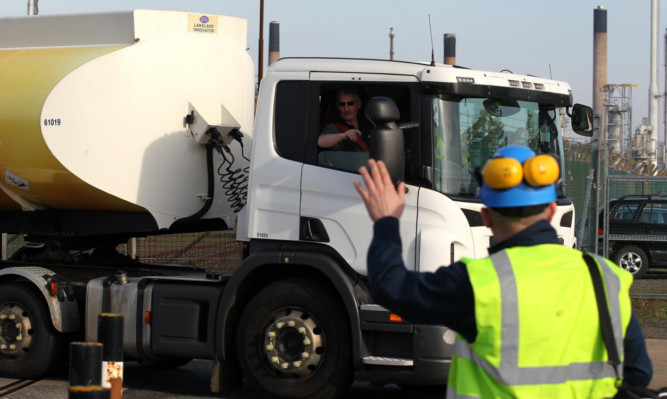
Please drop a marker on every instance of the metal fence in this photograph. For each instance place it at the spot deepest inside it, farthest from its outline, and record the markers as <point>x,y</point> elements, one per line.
<point>218,250</point>
<point>215,251</point>
<point>616,185</point>
<point>10,244</point>
<point>619,176</point>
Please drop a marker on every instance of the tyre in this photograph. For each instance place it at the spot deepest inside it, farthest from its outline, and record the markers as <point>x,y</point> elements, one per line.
<point>29,345</point>
<point>632,259</point>
<point>293,341</point>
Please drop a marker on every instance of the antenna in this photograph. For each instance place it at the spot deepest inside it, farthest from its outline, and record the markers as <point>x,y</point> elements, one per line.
<point>550,76</point>
<point>431,32</point>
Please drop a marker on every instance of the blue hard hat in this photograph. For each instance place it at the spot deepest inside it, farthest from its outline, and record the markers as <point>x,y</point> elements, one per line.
<point>521,194</point>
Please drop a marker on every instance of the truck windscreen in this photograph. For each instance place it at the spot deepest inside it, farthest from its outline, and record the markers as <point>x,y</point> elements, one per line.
<point>468,131</point>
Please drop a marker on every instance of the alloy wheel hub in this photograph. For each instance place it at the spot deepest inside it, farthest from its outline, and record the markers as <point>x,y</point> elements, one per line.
<point>293,343</point>
<point>631,262</point>
<point>15,331</point>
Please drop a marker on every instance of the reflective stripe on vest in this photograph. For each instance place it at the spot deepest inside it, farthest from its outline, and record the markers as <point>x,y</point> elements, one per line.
<point>509,372</point>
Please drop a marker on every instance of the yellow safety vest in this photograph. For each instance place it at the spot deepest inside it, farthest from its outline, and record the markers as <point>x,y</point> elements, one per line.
<point>538,333</point>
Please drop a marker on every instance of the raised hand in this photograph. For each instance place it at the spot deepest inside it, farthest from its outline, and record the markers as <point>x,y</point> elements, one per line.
<point>381,199</point>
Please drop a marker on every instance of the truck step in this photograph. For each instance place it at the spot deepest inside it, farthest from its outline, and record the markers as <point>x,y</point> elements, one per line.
<point>388,361</point>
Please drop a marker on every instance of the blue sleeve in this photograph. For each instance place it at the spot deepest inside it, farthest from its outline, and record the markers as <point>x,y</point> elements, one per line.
<point>637,367</point>
<point>442,297</point>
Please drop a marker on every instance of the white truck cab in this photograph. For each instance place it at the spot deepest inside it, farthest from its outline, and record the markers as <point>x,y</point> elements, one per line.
<point>454,119</point>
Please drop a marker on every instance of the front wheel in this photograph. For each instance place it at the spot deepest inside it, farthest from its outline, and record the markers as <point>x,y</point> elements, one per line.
<point>293,342</point>
<point>632,259</point>
<point>29,345</point>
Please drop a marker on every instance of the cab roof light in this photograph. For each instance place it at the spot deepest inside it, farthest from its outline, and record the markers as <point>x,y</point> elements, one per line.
<point>527,85</point>
<point>539,86</point>
<point>514,83</point>
<point>464,79</point>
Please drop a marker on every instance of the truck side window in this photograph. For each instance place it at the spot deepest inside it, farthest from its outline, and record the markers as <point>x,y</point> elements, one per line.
<point>291,116</point>
<point>327,113</point>
<point>342,116</point>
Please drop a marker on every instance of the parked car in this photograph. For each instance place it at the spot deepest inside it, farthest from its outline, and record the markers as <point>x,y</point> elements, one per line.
<point>637,232</point>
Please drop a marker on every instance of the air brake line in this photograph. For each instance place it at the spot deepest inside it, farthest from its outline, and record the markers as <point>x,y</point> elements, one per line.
<point>234,181</point>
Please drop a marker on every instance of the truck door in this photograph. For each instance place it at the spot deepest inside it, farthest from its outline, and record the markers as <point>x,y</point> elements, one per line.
<point>329,201</point>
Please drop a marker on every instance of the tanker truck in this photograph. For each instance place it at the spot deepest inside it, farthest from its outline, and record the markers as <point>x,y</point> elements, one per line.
<point>140,123</point>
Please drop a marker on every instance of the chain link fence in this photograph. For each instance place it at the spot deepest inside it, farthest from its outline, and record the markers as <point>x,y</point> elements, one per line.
<point>214,251</point>
<point>619,177</point>
<point>218,250</point>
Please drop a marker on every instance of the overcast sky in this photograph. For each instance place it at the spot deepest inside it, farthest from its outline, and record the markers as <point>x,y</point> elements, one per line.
<point>537,37</point>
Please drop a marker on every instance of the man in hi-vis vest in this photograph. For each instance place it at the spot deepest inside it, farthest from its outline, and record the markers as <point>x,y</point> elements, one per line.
<point>526,316</point>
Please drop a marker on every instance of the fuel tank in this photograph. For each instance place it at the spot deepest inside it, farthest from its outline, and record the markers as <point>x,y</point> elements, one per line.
<point>93,112</point>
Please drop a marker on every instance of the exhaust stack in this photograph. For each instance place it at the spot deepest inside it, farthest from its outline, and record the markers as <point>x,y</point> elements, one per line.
<point>653,90</point>
<point>274,42</point>
<point>664,132</point>
<point>599,67</point>
<point>450,49</point>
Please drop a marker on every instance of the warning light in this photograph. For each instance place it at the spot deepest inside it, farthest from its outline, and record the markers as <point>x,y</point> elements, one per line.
<point>395,317</point>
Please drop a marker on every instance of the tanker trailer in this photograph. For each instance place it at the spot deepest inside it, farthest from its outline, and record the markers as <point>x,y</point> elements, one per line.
<point>111,126</point>
<point>94,136</point>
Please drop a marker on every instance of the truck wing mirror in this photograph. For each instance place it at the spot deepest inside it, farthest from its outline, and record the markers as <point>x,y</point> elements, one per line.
<point>387,137</point>
<point>582,120</point>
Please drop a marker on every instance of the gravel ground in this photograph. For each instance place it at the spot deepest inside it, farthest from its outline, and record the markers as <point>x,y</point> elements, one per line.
<point>649,301</point>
